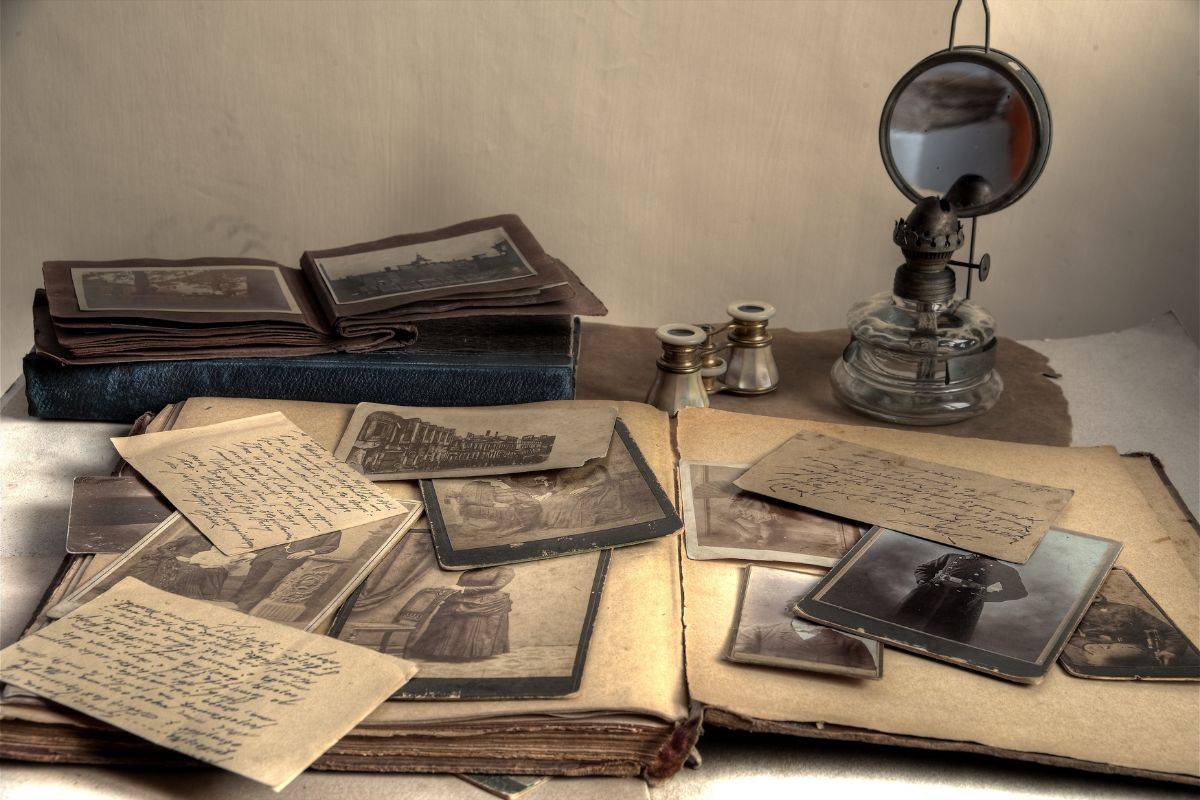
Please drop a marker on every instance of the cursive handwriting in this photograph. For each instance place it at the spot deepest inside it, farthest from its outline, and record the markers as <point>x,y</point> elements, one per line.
<point>985,513</point>
<point>246,694</point>
<point>256,483</point>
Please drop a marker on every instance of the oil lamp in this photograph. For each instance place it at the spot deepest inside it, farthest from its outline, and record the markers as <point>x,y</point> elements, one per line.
<point>965,133</point>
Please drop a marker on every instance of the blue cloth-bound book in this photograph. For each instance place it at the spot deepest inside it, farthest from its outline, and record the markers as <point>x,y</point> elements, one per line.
<point>454,362</point>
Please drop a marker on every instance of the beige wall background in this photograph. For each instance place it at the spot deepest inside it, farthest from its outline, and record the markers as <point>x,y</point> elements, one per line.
<point>677,154</point>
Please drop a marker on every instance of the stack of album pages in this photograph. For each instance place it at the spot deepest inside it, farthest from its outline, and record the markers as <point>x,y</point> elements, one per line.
<point>358,298</point>
<point>572,588</point>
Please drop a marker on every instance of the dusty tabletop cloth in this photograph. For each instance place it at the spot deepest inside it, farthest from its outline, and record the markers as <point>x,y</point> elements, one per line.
<point>617,363</point>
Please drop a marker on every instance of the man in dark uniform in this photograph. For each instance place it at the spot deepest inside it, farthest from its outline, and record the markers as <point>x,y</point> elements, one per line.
<point>951,591</point>
<point>272,565</point>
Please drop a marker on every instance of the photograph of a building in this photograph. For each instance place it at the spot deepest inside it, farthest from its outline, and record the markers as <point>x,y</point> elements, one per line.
<point>391,443</point>
<point>475,258</point>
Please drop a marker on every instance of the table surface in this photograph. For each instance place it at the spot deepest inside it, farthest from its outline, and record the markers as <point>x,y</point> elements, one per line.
<point>1136,389</point>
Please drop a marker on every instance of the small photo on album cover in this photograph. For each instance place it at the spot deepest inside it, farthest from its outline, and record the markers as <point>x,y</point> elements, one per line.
<point>111,513</point>
<point>1006,620</point>
<point>211,288</point>
<point>1125,635</point>
<point>767,631</point>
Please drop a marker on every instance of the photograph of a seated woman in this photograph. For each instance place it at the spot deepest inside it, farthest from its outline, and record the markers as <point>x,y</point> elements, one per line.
<point>470,624</point>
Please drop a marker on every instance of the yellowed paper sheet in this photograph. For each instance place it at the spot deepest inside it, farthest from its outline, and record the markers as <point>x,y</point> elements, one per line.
<point>971,510</point>
<point>1134,726</point>
<point>251,696</point>
<point>392,443</point>
<point>256,482</point>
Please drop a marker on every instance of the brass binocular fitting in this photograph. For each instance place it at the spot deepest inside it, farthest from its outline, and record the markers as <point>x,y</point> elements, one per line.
<point>692,366</point>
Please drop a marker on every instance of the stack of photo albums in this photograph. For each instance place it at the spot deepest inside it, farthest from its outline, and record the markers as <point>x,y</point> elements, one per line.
<point>358,298</point>
<point>476,313</point>
<point>563,626</point>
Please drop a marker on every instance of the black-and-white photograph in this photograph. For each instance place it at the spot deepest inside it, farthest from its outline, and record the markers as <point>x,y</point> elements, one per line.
<point>110,514</point>
<point>498,632</point>
<point>392,443</point>
<point>767,631</point>
<point>389,443</point>
<point>232,289</point>
<point>1125,635</point>
<point>300,583</point>
<point>723,521</point>
<point>471,259</point>
<point>503,519</point>
<point>1007,620</point>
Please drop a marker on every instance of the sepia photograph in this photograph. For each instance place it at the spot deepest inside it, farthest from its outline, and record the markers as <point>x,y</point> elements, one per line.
<point>502,519</point>
<point>1125,635</point>
<point>723,521</point>
<point>392,443</point>
<point>471,259</point>
<point>493,633</point>
<point>232,289</point>
<point>300,583</point>
<point>110,514</point>
<point>1007,620</point>
<point>767,631</point>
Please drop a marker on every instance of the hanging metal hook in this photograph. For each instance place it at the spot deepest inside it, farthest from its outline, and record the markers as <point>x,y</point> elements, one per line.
<point>987,25</point>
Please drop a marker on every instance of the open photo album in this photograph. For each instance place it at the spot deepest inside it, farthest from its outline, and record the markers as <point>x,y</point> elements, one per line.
<point>607,655</point>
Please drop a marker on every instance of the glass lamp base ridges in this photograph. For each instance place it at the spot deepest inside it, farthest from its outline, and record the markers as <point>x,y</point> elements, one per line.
<point>914,404</point>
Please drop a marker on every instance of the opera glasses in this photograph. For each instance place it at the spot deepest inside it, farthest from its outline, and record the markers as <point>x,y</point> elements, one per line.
<point>694,364</point>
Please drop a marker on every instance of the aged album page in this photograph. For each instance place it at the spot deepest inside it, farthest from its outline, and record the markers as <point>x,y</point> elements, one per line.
<point>639,621</point>
<point>1132,726</point>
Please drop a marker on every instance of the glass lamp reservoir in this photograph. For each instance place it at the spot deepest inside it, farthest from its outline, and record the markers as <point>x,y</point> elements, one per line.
<point>919,355</point>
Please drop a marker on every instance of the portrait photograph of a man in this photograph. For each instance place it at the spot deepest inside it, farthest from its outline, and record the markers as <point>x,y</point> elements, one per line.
<point>767,631</point>
<point>1125,635</point>
<point>1010,620</point>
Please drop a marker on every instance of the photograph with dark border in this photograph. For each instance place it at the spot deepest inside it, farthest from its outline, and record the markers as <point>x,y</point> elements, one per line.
<point>1125,635</point>
<point>505,519</point>
<point>513,631</point>
<point>1006,620</point>
<point>766,630</point>
<point>475,258</point>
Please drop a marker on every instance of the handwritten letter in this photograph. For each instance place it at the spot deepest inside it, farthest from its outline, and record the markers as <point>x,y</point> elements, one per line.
<point>256,482</point>
<point>248,695</point>
<point>971,510</point>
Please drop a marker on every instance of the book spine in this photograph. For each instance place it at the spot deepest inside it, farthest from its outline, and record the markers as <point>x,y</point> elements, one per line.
<point>122,392</point>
